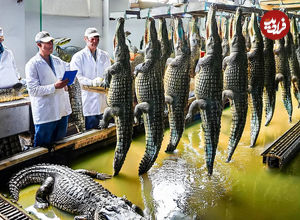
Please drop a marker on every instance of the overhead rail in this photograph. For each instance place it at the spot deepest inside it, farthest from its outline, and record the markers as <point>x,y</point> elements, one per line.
<point>198,9</point>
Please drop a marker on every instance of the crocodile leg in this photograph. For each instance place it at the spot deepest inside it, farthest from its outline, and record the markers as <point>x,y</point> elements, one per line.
<point>194,108</point>
<point>43,192</point>
<point>140,108</point>
<point>108,114</point>
<point>94,174</point>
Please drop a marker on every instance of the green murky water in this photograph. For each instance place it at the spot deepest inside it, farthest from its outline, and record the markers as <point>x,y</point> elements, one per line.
<point>177,186</point>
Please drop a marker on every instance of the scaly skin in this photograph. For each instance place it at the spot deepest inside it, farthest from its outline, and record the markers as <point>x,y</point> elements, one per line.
<point>225,39</point>
<point>283,75</point>
<point>73,191</point>
<point>296,38</point>
<point>76,118</point>
<point>269,81</point>
<point>255,78</point>
<point>208,91</point>
<point>293,62</point>
<point>246,33</point>
<point>119,79</point>
<point>166,47</point>
<point>150,97</point>
<point>195,45</point>
<point>176,84</point>
<point>236,84</point>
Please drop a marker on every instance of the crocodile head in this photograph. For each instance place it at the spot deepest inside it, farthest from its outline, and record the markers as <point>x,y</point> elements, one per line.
<point>225,29</point>
<point>180,42</point>
<point>118,209</point>
<point>238,40</point>
<point>213,43</point>
<point>195,42</point>
<point>245,30</point>
<point>151,41</point>
<point>121,51</point>
<point>294,32</point>
<point>230,28</point>
<point>254,32</point>
<point>164,38</point>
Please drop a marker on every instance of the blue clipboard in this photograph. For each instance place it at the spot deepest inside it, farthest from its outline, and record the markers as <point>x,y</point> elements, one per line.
<point>70,75</point>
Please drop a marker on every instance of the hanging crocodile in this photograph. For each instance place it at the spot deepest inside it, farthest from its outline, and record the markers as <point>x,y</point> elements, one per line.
<point>255,78</point>
<point>269,81</point>
<point>293,62</point>
<point>195,45</point>
<point>236,83</point>
<point>118,78</point>
<point>150,95</point>
<point>176,85</point>
<point>283,75</point>
<point>73,191</point>
<point>166,47</point>
<point>208,90</point>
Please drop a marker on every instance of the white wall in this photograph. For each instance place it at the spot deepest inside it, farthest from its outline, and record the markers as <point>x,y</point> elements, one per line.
<point>12,20</point>
<point>73,26</point>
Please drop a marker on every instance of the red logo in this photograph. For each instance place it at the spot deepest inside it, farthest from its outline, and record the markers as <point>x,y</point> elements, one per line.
<point>275,24</point>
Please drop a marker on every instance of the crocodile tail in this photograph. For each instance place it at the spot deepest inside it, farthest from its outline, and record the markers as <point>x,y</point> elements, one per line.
<point>154,137</point>
<point>256,115</point>
<point>30,175</point>
<point>211,120</point>
<point>270,98</point>
<point>239,113</point>
<point>286,97</point>
<point>176,121</point>
<point>124,138</point>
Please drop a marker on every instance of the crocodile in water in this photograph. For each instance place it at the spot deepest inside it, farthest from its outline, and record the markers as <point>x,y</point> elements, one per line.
<point>73,191</point>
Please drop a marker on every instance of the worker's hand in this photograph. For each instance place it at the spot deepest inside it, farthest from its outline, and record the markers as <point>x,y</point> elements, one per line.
<point>61,84</point>
<point>66,88</point>
<point>97,81</point>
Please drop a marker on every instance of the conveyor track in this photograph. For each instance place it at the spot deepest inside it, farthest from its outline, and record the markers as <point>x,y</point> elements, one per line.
<point>284,148</point>
<point>10,212</point>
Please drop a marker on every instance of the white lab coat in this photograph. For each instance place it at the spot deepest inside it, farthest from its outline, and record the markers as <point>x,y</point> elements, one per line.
<point>88,69</point>
<point>8,70</point>
<point>48,104</point>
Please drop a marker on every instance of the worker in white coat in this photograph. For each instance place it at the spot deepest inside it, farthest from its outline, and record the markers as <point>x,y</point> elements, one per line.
<point>8,69</point>
<point>91,63</point>
<point>48,92</point>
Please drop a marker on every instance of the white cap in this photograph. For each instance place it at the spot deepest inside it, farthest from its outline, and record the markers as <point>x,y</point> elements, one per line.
<point>1,32</point>
<point>43,36</point>
<point>91,32</point>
